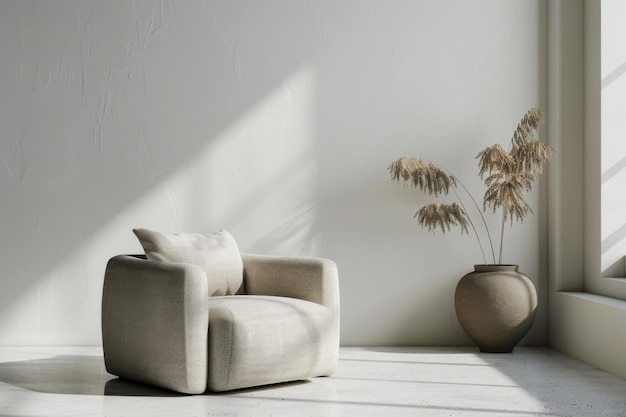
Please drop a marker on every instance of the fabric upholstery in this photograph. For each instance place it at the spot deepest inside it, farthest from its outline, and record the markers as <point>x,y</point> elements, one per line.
<point>258,340</point>
<point>154,323</point>
<point>216,253</point>
<point>160,327</point>
<point>311,279</point>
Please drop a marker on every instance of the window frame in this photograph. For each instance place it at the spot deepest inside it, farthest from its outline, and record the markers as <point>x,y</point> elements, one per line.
<point>595,280</point>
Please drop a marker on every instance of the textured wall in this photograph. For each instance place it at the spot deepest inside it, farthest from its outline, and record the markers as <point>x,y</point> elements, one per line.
<point>275,120</point>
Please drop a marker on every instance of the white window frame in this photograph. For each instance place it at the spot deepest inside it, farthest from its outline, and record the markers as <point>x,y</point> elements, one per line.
<point>599,277</point>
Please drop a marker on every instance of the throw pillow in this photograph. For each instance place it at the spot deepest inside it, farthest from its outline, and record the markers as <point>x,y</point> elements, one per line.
<point>216,253</point>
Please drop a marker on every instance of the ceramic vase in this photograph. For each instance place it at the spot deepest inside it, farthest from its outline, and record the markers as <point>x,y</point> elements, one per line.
<point>496,306</point>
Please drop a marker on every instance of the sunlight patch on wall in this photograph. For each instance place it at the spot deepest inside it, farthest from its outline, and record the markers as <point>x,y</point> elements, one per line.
<point>613,69</point>
<point>263,172</point>
<point>257,179</point>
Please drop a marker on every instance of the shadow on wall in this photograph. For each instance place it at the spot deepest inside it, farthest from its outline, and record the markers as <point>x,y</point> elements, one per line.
<point>274,120</point>
<point>174,120</point>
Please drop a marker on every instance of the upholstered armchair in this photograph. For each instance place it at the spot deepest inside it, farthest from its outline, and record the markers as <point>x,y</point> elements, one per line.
<point>194,314</point>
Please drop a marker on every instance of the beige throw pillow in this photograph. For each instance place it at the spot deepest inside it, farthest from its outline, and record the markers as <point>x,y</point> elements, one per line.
<point>217,253</point>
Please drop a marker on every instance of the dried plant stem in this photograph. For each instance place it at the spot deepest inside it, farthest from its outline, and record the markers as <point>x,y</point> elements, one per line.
<point>493,254</point>
<point>469,218</point>
<point>501,237</point>
<point>480,244</point>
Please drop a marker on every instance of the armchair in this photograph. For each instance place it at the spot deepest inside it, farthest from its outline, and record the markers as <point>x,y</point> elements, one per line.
<point>162,326</point>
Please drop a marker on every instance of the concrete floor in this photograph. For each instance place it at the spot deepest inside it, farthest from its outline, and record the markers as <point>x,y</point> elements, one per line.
<point>369,382</point>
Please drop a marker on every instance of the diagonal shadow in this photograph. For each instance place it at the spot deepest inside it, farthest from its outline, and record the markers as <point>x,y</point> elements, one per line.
<point>416,363</point>
<point>62,374</point>
<point>397,405</point>
<point>540,372</point>
<point>613,76</point>
<point>614,238</point>
<point>614,170</point>
<point>580,384</point>
<point>56,207</point>
<point>73,375</point>
<point>86,375</point>
<point>425,382</point>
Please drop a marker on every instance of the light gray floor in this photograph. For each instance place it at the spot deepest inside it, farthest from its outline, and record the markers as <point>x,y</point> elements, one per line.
<point>369,382</point>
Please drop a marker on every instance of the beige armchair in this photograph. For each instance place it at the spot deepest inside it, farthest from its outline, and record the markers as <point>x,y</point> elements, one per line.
<point>162,325</point>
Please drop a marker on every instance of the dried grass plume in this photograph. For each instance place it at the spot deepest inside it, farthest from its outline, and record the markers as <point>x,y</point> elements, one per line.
<point>508,176</point>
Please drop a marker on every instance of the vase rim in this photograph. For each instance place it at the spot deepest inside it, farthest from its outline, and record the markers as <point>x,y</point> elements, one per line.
<point>497,267</point>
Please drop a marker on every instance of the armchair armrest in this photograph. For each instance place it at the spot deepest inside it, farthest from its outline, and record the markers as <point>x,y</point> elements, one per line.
<point>311,279</point>
<point>155,322</point>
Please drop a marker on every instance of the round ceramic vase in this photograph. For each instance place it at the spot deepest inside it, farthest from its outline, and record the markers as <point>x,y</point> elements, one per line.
<point>496,306</point>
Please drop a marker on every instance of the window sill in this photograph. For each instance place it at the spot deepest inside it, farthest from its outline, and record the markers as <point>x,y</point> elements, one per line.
<point>589,327</point>
<point>599,299</point>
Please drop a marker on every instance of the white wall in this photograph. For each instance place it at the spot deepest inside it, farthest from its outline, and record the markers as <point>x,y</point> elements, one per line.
<point>275,120</point>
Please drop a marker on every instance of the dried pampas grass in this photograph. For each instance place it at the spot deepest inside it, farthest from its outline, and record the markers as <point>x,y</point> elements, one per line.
<point>423,175</point>
<point>443,216</point>
<point>508,175</point>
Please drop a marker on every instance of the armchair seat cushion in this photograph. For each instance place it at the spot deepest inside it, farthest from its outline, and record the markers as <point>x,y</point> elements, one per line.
<point>256,340</point>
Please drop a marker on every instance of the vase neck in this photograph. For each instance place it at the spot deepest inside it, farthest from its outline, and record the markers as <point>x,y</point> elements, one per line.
<point>495,267</point>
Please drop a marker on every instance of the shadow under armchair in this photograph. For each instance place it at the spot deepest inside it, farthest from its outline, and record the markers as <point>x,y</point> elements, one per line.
<point>73,374</point>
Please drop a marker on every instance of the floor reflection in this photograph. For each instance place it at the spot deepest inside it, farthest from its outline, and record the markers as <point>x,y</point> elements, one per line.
<point>86,375</point>
<point>368,382</point>
<point>73,374</point>
<point>62,374</point>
